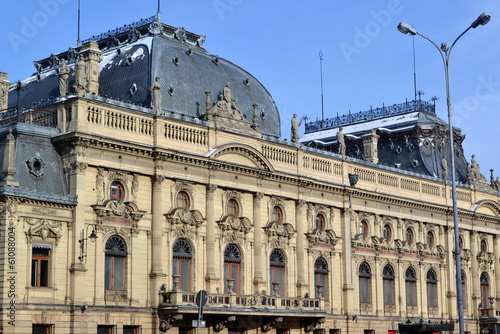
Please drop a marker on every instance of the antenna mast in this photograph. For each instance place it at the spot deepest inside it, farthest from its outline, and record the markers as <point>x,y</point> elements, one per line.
<point>78,33</point>
<point>158,12</point>
<point>414,71</point>
<point>321,76</point>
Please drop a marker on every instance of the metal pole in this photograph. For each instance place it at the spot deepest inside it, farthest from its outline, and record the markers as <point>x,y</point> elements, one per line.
<point>321,75</point>
<point>445,52</point>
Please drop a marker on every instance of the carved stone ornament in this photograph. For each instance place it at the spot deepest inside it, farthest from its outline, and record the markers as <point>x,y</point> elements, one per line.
<point>268,325</point>
<point>326,236</point>
<point>36,166</point>
<point>219,326</point>
<point>284,230</point>
<point>116,296</point>
<point>111,208</point>
<point>179,216</point>
<point>43,228</point>
<point>240,224</point>
<point>167,321</point>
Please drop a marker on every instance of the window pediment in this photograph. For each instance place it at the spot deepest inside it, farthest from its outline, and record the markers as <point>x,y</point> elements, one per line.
<point>179,216</point>
<point>127,210</point>
<point>43,228</point>
<point>240,224</point>
<point>284,230</point>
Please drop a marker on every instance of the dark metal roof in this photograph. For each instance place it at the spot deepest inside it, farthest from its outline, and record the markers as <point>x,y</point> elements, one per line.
<point>134,55</point>
<point>40,171</point>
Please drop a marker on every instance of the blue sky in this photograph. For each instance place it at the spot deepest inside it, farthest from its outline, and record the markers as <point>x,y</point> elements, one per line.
<point>366,61</point>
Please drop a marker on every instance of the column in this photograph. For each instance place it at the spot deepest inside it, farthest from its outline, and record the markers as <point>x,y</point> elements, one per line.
<point>211,277</point>
<point>258,281</point>
<point>156,275</point>
<point>301,223</point>
<point>476,295</point>
<point>350,302</point>
<point>496,252</point>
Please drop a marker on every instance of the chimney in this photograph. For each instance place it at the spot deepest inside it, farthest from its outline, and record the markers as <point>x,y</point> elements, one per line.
<point>90,54</point>
<point>370,141</point>
<point>4,92</point>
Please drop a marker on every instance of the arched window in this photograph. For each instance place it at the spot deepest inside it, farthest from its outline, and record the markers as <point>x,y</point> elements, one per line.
<point>277,266</point>
<point>431,288</point>
<point>321,277</point>
<point>233,209</point>
<point>277,215</point>
<point>460,243</point>
<point>388,280</point>
<point>183,201</point>
<point>409,237</point>
<point>485,289</point>
<point>115,263</point>
<point>483,247</point>
<point>232,269</point>
<point>363,229</point>
<point>320,222</point>
<point>116,192</point>
<point>388,232</point>
<point>430,239</point>
<point>181,264</point>
<point>411,287</point>
<point>365,276</point>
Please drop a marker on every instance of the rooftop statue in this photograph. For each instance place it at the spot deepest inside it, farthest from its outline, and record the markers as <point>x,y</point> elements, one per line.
<point>63,78</point>
<point>295,128</point>
<point>341,141</point>
<point>156,95</point>
<point>80,77</point>
<point>444,168</point>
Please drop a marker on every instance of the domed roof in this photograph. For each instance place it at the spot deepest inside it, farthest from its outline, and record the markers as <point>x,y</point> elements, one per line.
<point>133,56</point>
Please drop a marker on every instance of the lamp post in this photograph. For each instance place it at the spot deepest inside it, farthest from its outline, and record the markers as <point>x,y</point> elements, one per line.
<point>445,51</point>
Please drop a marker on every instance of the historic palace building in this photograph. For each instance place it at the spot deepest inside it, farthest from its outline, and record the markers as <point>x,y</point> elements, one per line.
<point>138,169</point>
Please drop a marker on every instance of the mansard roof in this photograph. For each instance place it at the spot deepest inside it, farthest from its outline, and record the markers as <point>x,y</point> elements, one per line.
<point>134,55</point>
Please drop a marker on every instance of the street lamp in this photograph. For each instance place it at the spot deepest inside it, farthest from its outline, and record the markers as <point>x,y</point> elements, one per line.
<point>83,238</point>
<point>445,51</point>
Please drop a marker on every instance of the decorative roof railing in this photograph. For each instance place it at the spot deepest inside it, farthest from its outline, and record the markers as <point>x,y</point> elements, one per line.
<point>362,116</point>
<point>120,30</point>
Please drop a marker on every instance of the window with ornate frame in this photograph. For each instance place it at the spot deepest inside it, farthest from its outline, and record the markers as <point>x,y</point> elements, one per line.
<point>485,289</point>
<point>181,264</point>
<point>388,284</point>
<point>40,264</point>
<point>411,287</point>
<point>430,239</point>
<point>183,201</point>
<point>232,269</point>
<point>387,232</point>
<point>431,288</point>
<point>321,277</point>
<point>410,238</point>
<point>116,192</point>
<point>365,276</point>
<point>115,263</point>
<point>233,209</point>
<point>320,222</point>
<point>483,246</point>
<point>363,229</point>
<point>277,215</point>
<point>277,265</point>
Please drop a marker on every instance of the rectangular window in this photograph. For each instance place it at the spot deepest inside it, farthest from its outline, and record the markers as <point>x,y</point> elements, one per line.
<point>319,331</point>
<point>131,330</point>
<point>41,329</point>
<point>105,329</point>
<point>185,331</point>
<point>431,295</point>
<point>388,292</point>
<point>182,267</point>
<point>369,331</point>
<point>334,331</point>
<point>364,290</point>
<point>40,265</point>
<point>276,276</point>
<point>410,293</point>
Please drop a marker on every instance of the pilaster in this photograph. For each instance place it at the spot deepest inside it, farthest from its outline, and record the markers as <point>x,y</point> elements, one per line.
<point>210,277</point>
<point>258,281</point>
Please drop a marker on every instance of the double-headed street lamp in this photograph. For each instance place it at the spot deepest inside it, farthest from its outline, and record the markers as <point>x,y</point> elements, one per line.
<point>445,51</point>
